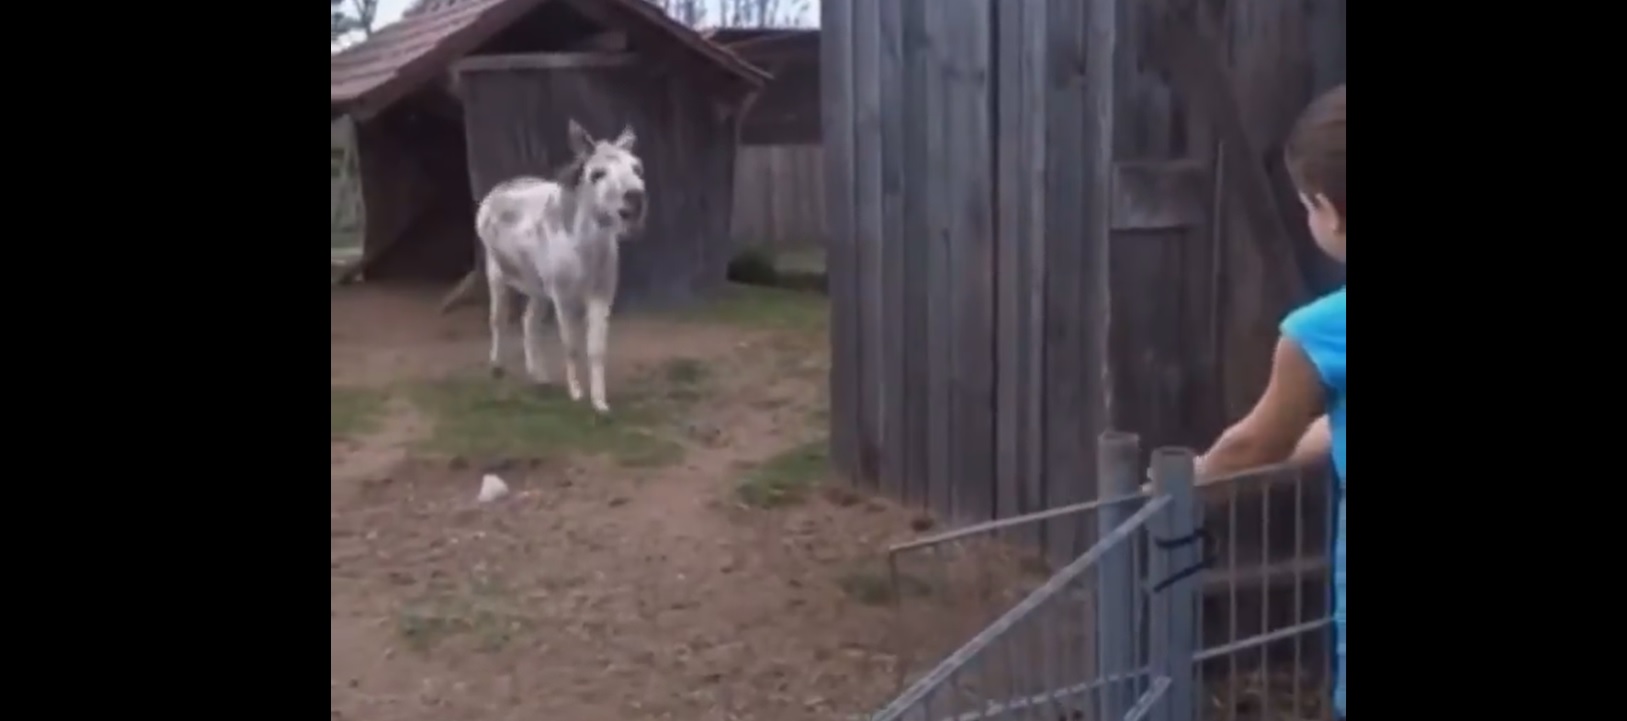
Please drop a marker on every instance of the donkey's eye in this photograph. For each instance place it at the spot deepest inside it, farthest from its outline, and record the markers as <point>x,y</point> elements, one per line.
<point>595,176</point>
<point>638,169</point>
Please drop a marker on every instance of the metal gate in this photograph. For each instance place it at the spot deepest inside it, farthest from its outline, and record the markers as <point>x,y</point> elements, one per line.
<point>1116,634</point>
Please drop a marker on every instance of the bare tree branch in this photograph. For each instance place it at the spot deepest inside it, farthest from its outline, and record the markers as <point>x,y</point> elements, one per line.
<point>364,11</point>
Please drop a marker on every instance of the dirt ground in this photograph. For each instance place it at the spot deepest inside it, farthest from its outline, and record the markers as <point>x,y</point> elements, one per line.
<point>687,558</point>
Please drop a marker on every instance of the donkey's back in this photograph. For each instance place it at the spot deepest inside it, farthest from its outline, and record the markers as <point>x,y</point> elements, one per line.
<point>513,205</point>
<point>515,222</point>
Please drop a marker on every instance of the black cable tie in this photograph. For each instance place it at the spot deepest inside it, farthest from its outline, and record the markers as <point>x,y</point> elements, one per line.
<point>1198,534</point>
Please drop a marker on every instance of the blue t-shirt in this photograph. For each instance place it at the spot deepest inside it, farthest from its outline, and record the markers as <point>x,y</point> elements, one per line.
<point>1319,329</point>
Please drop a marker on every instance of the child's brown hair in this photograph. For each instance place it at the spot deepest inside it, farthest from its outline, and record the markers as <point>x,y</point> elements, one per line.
<point>1315,151</point>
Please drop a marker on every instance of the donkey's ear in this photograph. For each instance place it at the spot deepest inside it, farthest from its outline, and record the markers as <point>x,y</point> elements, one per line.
<point>627,138</point>
<point>581,142</point>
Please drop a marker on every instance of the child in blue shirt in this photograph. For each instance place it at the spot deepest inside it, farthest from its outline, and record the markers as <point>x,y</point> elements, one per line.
<point>1301,414</point>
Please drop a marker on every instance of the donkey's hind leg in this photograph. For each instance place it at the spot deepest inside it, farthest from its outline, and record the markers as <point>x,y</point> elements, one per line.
<point>497,300</point>
<point>536,311</point>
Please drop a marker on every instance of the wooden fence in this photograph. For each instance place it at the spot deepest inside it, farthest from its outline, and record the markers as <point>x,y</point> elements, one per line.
<point>779,196</point>
<point>1033,239</point>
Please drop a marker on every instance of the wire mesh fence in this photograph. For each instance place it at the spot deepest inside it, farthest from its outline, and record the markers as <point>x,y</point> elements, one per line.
<point>1192,603</point>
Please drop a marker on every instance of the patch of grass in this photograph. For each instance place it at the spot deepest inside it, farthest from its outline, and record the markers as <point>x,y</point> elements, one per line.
<point>478,611</point>
<point>354,411</point>
<point>786,478</point>
<point>683,381</point>
<point>481,417</point>
<point>874,587</point>
<point>766,309</point>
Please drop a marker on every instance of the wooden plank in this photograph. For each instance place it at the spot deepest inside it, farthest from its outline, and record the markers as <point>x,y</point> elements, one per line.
<point>837,91</point>
<point>1158,347</point>
<point>947,277</point>
<point>1186,43</point>
<point>894,370</point>
<point>868,233</point>
<point>544,61</point>
<point>971,236</point>
<point>1034,96</point>
<point>1011,343</point>
<point>917,244</point>
<point>940,294</point>
<point>1159,194</point>
<point>1067,425</point>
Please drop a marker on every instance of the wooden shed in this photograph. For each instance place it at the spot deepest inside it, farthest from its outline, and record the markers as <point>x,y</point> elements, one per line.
<point>462,94</point>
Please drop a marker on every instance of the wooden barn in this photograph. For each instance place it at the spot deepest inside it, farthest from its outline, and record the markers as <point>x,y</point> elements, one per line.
<point>462,94</point>
<point>1053,218</point>
<point>1050,218</point>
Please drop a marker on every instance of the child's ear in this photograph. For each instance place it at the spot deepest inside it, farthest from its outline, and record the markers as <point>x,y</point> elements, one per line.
<point>1323,205</point>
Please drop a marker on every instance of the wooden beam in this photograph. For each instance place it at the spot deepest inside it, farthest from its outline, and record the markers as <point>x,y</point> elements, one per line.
<point>546,61</point>
<point>610,41</point>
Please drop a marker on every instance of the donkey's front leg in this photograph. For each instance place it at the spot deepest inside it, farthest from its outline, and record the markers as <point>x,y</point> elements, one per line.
<point>570,330</point>
<point>598,317</point>
<point>535,310</point>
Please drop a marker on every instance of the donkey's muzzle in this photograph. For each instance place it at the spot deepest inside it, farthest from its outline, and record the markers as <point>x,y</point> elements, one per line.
<point>632,205</point>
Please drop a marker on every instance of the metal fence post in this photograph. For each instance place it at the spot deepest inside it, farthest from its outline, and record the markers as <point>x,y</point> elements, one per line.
<point>1118,462</point>
<point>1176,575</point>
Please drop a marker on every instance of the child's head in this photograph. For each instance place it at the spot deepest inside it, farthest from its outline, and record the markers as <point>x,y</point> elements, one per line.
<point>1316,160</point>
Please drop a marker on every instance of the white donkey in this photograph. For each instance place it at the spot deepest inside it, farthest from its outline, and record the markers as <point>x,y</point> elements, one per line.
<point>557,242</point>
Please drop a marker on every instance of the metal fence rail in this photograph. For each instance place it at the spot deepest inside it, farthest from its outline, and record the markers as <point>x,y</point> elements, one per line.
<point>1120,632</point>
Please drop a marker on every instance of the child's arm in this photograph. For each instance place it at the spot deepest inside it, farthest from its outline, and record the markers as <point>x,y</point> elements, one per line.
<point>1315,446</point>
<point>1293,399</point>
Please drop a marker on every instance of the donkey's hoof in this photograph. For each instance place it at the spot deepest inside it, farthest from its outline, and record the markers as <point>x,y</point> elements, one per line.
<point>602,408</point>
<point>496,371</point>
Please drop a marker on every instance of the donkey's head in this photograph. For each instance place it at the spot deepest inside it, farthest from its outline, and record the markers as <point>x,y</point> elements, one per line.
<point>611,180</point>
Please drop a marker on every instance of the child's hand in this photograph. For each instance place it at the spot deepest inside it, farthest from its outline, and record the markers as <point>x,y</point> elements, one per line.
<point>1147,487</point>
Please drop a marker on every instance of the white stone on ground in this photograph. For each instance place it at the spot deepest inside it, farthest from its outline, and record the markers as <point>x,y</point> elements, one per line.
<point>492,488</point>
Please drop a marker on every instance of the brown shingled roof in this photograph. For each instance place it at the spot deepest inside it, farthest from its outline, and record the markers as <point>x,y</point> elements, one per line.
<point>395,60</point>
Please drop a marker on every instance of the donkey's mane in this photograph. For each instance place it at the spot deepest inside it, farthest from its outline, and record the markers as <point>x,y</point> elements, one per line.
<point>569,177</point>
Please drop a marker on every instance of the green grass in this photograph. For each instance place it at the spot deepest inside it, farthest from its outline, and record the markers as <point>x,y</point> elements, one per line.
<point>354,411</point>
<point>481,417</point>
<point>785,479</point>
<point>874,586</point>
<point>766,309</point>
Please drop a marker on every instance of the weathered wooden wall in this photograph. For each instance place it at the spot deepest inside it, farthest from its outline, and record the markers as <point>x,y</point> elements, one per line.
<point>516,112</point>
<point>779,196</point>
<point>1032,238</point>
